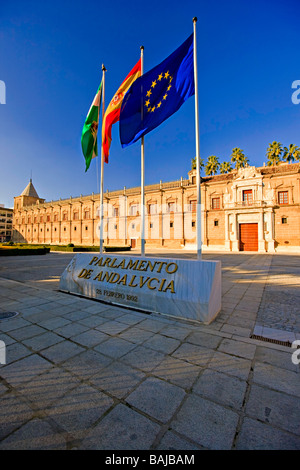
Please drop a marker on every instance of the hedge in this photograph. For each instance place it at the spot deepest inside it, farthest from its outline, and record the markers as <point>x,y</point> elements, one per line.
<point>23,251</point>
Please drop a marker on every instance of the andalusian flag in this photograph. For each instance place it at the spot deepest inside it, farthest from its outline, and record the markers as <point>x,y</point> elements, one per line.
<point>90,129</point>
<point>113,110</point>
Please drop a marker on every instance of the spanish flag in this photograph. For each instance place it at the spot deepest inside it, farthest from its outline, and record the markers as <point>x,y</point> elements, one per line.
<point>112,112</point>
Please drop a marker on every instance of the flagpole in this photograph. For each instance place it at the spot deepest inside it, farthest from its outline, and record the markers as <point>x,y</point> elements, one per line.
<point>142,171</point>
<point>102,162</point>
<point>198,178</point>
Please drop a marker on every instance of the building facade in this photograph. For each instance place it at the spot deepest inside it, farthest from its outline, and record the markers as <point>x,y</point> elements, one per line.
<point>250,209</point>
<point>6,221</point>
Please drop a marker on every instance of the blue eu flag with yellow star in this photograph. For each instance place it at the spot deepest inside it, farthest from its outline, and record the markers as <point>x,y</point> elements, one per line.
<point>157,94</point>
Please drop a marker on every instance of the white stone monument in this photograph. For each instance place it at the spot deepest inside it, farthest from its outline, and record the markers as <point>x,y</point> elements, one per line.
<point>187,289</point>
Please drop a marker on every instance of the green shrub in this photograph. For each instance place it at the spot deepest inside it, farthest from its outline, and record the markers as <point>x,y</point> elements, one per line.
<point>23,251</point>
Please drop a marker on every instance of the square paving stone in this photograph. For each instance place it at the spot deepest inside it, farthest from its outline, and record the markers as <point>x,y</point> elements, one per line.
<point>16,351</point>
<point>174,331</point>
<point>157,398</point>
<point>143,358</point>
<point>70,330</point>
<point>162,343</point>
<point>153,324</point>
<point>112,327</point>
<point>237,348</point>
<point>204,339</point>
<point>90,338</point>
<point>117,379</point>
<point>136,335</point>
<point>35,435</point>
<point>87,363</point>
<point>24,370</point>
<point>230,365</point>
<point>193,353</point>
<point>223,389</point>
<point>27,332</point>
<point>178,372</point>
<point>43,341</point>
<point>13,324</point>
<point>13,413</point>
<point>171,441</point>
<point>255,435</point>
<point>208,424</point>
<point>121,429</point>
<point>79,409</point>
<point>279,379</point>
<point>47,388</point>
<point>276,358</point>
<point>62,351</point>
<point>115,347</point>
<point>275,408</point>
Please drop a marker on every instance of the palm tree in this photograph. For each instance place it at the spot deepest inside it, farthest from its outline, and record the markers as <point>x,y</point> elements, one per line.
<point>291,153</point>
<point>225,167</point>
<point>274,152</point>
<point>212,165</point>
<point>194,164</point>
<point>238,157</point>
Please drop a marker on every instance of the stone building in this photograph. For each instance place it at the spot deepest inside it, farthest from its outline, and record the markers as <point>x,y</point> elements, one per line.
<point>6,219</point>
<point>250,209</point>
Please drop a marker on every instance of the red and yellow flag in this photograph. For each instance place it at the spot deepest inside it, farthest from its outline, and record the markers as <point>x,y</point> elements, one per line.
<point>112,112</point>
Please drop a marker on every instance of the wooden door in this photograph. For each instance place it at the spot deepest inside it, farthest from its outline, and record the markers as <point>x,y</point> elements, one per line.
<point>248,237</point>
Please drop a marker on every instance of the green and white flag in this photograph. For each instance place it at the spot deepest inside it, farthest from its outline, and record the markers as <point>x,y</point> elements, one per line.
<point>90,130</point>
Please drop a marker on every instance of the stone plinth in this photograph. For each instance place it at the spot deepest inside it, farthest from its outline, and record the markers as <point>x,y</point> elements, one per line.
<point>188,289</point>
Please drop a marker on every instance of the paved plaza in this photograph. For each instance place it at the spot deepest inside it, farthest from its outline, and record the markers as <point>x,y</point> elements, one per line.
<point>82,374</point>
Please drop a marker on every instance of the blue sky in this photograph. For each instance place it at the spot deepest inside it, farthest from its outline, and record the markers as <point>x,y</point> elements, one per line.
<point>51,55</point>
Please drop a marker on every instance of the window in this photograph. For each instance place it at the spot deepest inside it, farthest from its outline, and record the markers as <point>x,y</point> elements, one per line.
<point>171,206</point>
<point>193,205</point>
<point>87,214</point>
<point>48,218</point>
<point>216,223</point>
<point>171,224</point>
<point>35,220</point>
<point>115,227</point>
<point>193,224</point>
<point>133,209</point>
<point>193,179</point>
<point>116,212</point>
<point>65,216</point>
<point>247,197</point>
<point>29,220</point>
<point>152,208</point>
<point>41,218</point>
<point>151,225</point>
<point>284,220</point>
<point>75,228</point>
<point>283,197</point>
<point>132,226</point>
<point>55,217</point>
<point>215,203</point>
<point>75,216</point>
<point>86,227</point>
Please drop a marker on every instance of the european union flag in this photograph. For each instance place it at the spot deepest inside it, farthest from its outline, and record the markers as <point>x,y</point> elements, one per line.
<point>158,94</point>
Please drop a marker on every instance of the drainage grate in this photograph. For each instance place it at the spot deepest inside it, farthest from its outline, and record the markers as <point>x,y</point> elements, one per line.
<point>270,340</point>
<point>8,315</point>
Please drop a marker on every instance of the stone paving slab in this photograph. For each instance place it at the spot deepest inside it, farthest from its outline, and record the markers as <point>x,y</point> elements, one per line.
<point>84,375</point>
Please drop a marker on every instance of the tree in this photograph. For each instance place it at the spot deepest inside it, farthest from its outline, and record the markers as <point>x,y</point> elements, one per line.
<point>291,153</point>
<point>225,167</point>
<point>238,157</point>
<point>274,152</point>
<point>194,164</point>
<point>212,165</point>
